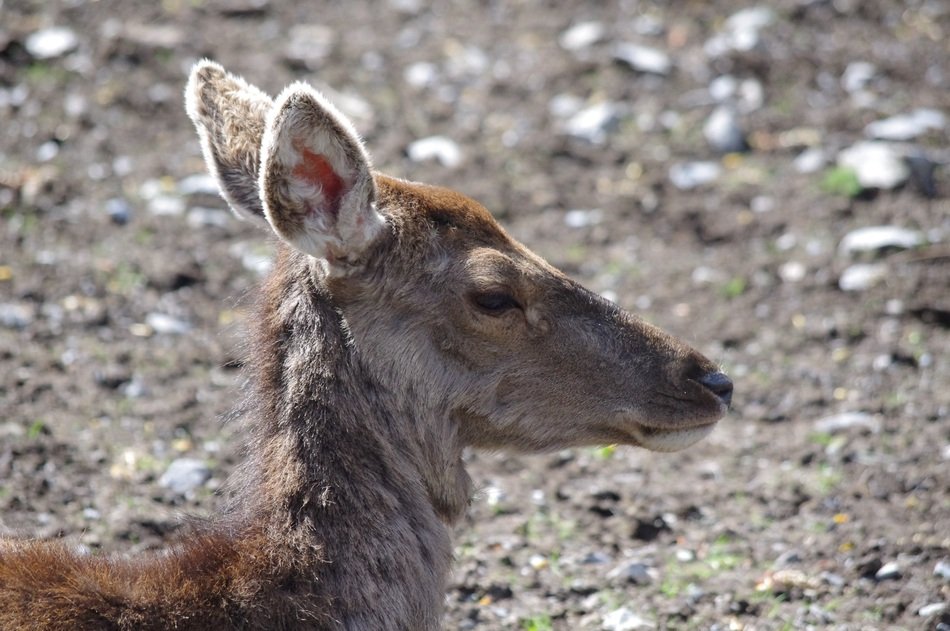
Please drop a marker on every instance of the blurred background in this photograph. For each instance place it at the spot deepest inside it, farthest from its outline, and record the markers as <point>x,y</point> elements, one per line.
<point>767,180</point>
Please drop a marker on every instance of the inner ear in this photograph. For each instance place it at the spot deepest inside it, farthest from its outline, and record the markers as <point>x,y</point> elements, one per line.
<point>316,182</point>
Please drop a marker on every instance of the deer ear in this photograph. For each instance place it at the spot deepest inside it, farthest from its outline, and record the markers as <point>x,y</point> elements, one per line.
<point>316,184</point>
<point>230,116</point>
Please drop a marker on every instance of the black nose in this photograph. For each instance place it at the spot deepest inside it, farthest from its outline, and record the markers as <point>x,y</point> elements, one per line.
<point>719,384</point>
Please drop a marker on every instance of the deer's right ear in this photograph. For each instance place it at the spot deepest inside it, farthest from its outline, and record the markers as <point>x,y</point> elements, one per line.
<point>316,182</point>
<point>230,116</point>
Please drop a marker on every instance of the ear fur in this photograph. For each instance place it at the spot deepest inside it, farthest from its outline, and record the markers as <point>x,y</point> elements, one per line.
<point>315,178</point>
<point>230,116</point>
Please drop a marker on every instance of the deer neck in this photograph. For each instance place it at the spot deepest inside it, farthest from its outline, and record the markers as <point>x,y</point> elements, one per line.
<point>343,466</point>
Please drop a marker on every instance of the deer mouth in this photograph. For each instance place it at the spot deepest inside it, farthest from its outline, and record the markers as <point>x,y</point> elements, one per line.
<point>670,439</point>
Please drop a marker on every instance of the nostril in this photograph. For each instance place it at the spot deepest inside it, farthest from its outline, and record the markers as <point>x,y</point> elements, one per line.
<point>719,384</point>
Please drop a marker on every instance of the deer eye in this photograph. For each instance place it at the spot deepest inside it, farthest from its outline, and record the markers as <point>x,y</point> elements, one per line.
<point>494,302</point>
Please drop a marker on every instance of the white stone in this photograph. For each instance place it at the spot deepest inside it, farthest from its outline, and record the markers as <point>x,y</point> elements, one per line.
<point>723,88</point>
<point>689,175</point>
<point>51,42</point>
<point>931,610</point>
<point>876,164</point>
<point>857,75</point>
<point>443,150</point>
<point>810,160</point>
<point>595,122</point>
<point>166,324</point>
<point>723,132</point>
<point>644,58</point>
<point>846,420</point>
<point>199,183</point>
<point>309,44</point>
<point>184,475</point>
<point>165,205</point>
<point>624,619</point>
<point>792,271</point>
<point>580,218</point>
<point>582,35</point>
<point>421,74</point>
<point>872,238</point>
<point>862,276</point>
<point>907,126</point>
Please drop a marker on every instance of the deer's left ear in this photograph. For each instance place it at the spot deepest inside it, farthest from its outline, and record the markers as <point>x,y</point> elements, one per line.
<point>316,185</point>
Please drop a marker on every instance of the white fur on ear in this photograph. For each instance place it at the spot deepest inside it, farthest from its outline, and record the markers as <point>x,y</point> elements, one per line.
<point>316,185</point>
<point>229,115</point>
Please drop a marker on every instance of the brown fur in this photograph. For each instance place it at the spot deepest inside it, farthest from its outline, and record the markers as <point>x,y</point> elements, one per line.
<point>375,364</point>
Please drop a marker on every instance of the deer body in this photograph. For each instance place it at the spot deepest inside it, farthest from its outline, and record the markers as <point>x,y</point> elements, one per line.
<point>400,325</point>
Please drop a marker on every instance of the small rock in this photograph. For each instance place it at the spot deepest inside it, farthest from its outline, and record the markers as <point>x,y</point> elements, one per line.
<point>309,45</point>
<point>443,150</point>
<point>198,184</point>
<point>583,218</point>
<point>421,74</point>
<point>857,75</point>
<point>906,126</point>
<point>847,420</point>
<point>741,32</point>
<point>643,58</point>
<point>723,132</point>
<point>595,122</point>
<point>792,271</point>
<point>751,95</point>
<point>184,475</point>
<point>685,555</point>
<point>118,210</point>
<point>689,175</point>
<point>888,571</point>
<point>624,619</point>
<point>648,25</point>
<point>565,105</point>
<point>789,557</point>
<point>922,174</point>
<point>199,217</point>
<point>157,36</point>
<point>942,569</point>
<point>876,164</point>
<point>830,578</point>
<point>810,160</point>
<point>636,573</point>
<point>723,88</point>
<point>51,42</point>
<point>241,8</point>
<point>166,324</point>
<point>931,610</point>
<point>16,315</point>
<point>166,205</point>
<point>873,238</point>
<point>581,35</point>
<point>595,558</point>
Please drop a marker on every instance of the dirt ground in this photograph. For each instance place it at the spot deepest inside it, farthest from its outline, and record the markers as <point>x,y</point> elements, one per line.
<point>820,502</point>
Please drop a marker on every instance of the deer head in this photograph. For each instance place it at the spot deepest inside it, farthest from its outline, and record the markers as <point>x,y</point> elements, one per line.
<point>442,307</point>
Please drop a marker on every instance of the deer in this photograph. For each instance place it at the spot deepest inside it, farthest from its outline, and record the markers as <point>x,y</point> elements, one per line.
<point>399,326</point>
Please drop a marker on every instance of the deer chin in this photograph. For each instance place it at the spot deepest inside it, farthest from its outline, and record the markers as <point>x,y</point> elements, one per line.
<point>668,440</point>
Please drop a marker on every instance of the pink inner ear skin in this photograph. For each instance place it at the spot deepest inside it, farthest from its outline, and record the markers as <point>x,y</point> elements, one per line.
<point>317,170</point>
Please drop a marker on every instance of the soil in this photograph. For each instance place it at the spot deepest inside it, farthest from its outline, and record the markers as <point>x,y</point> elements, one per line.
<point>123,296</point>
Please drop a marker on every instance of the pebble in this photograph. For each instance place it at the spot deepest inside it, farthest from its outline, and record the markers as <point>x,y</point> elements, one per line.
<point>166,205</point>
<point>583,218</point>
<point>689,175</point>
<point>309,44</point>
<point>888,571</point>
<point>643,58</point>
<point>155,36</point>
<point>184,475</point>
<point>636,573</point>
<point>165,324</point>
<point>723,88</point>
<point>15,315</point>
<point>873,238</point>
<point>862,276</point>
<point>942,569</point>
<point>595,122</point>
<point>931,610</point>
<point>857,75</point>
<point>198,184</point>
<point>741,31</point>
<point>582,35</point>
<point>443,150</point>
<point>810,160</point>
<point>51,42</point>
<point>421,74</point>
<point>596,558</point>
<point>199,217</point>
<point>624,619</point>
<point>723,132</point>
<point>847,420</point>
<point>789,557</point>
<point>792,271</point>
<point>876,164</point>
<point>118,210</point>
<point>906,126</point>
